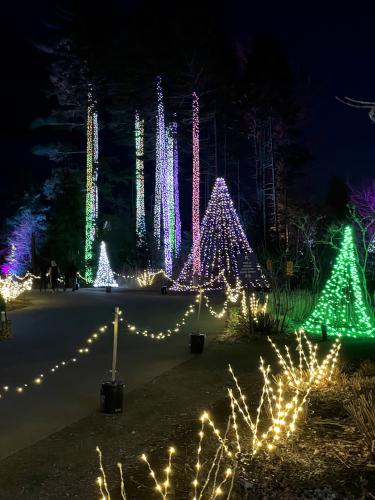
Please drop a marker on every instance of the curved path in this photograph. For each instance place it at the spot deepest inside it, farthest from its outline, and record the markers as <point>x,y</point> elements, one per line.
<point>51,329</point>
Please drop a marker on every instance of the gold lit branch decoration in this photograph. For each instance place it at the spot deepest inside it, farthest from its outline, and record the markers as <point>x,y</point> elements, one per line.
<point>11,286</point>
<point>307,371</point>
<point>274,422</point>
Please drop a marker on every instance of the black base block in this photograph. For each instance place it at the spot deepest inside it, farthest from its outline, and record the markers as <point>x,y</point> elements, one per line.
<point>197,343</point>
<point>163,290</point>
<point>108,289</point>
<point>111,397</point>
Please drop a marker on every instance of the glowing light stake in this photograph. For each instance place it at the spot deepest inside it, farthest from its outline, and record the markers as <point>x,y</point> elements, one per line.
<point>177,222</point>
<point>196,179</point>
<point>91,185</point>
<point>161,191</point>
<point>104,275</point>
<point>139,180</point>
<point>223,245</point>
<point>342,306</point>
<point>170,188</point>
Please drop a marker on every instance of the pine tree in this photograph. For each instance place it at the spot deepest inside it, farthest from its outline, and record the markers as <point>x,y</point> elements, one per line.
<point>342,306</point>
<point>104,275</point>
<point>223,247</point>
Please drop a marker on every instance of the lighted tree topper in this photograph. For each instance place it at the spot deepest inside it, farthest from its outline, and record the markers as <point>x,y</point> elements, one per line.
<point>342,306</point>
<point>223,246</point>
<point>91,185</point>
<point>139,180</point>
<point>104,275</point>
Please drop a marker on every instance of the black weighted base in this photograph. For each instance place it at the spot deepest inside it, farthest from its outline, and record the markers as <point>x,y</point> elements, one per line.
<point>108,289</point>
<point>163,290</point>
<point>111,397</point>
<point>197,343</point>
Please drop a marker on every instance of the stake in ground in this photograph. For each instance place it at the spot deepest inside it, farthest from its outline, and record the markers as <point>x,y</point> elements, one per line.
<point>342,305</point>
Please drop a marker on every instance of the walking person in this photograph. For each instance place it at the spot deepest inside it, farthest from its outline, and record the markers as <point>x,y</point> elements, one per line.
<point>54,275</point>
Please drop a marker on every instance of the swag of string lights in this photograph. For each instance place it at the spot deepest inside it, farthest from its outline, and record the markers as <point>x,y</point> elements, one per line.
<point>139,180</point>
<point>91,184</point>
<point>272,425</point>
<point>223,244</point>
<point>86,349</point>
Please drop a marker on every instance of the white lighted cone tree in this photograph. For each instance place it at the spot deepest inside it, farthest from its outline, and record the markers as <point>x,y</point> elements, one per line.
<point>223,247</point>
<point>104,275</point>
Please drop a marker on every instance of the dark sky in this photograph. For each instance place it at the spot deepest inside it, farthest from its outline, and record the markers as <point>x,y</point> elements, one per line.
<point>332,51</point>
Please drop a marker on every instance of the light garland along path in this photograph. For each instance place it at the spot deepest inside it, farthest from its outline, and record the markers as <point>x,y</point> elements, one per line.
<point>167,333</point>
<point>38,379</point>
<point>85,349</point>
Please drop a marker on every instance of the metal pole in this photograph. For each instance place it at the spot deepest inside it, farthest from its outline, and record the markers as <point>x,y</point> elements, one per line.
<point>115,335</point>
<point>199,308</point>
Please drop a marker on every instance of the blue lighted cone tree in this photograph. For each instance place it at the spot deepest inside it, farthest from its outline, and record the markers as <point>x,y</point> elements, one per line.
<point>223,247</point>
<point>104,275</point>
<point>342,306</point>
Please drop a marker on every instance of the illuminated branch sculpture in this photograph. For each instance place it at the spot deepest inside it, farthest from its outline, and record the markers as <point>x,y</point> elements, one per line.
<point>222,247</point>
<point>91,185</point>
<point>139,180</point>
<point>342,307</point>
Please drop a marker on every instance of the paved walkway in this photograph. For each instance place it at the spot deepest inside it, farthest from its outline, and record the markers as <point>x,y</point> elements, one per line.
<point>51,329</point>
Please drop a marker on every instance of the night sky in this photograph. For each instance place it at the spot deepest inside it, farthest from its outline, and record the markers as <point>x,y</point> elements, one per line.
<point>332,52</point>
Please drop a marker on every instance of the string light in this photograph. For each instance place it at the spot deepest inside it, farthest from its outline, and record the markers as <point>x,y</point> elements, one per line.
<point>309,372</point>
<point>147,277</point>
<point>161,187</point>
<point>11,286</point>
<point>104,275</point>
<point>170,188</point>
<point>223,244</point>
<point>139,180</point>
<point>177,222</point>
<point>83,350</point>
<point>341,306</point>
<point>196,180</point>
<point>91,184</point>
<point>167,333</point>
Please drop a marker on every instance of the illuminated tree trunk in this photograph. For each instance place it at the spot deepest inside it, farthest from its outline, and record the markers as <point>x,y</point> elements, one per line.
<point>91,185</point>
<point>196,180</point>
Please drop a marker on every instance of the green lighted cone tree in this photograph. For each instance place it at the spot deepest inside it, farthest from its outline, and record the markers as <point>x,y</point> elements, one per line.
<point>342,306</point>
